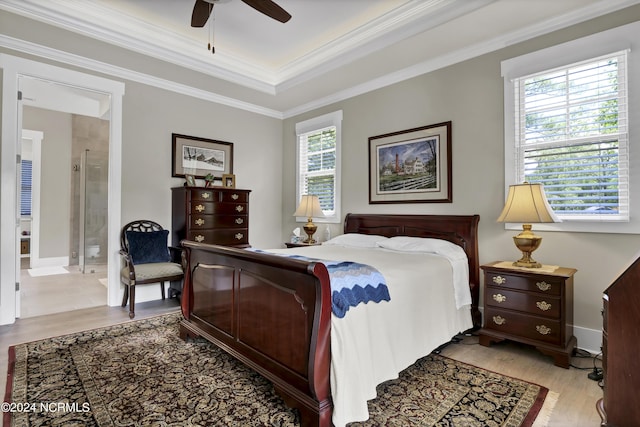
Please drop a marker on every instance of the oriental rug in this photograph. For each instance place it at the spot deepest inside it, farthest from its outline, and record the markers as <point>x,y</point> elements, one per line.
<point>140,373</point>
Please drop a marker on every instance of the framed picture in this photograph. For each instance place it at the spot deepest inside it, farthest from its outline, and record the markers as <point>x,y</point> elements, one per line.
<point>200,156</point>
<point>229,181</point>
<point>191,180</point>
<point>411,166</point>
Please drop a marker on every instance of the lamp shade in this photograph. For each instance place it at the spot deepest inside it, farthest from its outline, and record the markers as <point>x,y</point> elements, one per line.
<point>309,207</point>
<point>527,203</point>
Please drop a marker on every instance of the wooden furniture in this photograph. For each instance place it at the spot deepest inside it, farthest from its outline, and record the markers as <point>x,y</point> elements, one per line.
<point>621,364</point>
<point>299,245</point>
<point>213,215</point>
<point>135,273</point>
<point>273,313</point>
<point>531,306</point>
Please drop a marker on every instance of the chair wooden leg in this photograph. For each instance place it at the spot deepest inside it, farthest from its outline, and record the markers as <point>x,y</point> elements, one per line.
<point>125,297</point>
<point>132,302</point>
<point>162,289</point>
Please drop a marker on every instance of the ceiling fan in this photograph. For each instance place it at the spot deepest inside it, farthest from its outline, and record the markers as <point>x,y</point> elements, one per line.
<point>202,10</point>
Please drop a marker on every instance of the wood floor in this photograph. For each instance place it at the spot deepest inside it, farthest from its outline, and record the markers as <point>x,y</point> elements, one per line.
<point>577,394</point>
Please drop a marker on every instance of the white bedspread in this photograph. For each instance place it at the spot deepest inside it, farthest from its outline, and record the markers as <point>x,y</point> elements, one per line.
<point>374,342</point>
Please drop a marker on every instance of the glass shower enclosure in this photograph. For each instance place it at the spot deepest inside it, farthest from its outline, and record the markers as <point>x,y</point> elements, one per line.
<point>94,179</point>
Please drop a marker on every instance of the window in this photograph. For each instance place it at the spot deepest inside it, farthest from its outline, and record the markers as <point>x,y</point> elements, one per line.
<point>25,188</point>
<point>571,113</point>
<point>571,136</point>
<point>318,166</point>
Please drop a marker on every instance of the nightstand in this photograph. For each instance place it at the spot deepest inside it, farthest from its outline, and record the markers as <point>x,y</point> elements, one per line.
<point>530,305</point>
<point>300,245</point>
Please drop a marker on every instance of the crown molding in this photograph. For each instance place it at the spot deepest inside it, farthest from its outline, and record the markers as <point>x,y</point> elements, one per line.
<point>124,73</point>
<point>597,9</point>
<point>113,27</point>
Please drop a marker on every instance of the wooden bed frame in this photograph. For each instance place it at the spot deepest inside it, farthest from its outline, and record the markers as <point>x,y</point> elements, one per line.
<point>273,313</point>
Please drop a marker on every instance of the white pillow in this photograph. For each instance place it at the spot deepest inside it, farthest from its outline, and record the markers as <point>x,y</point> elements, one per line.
<point>357,240</point>
<point>425,245</point>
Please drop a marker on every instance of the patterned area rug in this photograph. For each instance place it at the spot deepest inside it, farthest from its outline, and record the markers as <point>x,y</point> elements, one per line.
<point>142,374</point>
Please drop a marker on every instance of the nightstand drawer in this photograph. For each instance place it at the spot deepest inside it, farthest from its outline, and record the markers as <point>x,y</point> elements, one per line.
<point>545,285</point>
<point>532,303</point>
<point>522,325</point>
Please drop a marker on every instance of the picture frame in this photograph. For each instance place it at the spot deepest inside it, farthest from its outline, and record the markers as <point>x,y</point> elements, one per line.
<point>411,166</point>
<point>191,180</point>
<point>229,180</point>
<point>200,156</point>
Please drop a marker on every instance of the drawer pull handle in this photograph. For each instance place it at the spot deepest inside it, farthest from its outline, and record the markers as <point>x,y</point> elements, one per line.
<point>200,208</point>
<point>543,286</point>
<point>205,195</point>
<point>543,305</point>
<point>239,236</point>
<point>239,220</point>
<point>199,221</point>
<point>235,196</point>
<point>499,298</point>
<point>542,329</point>
<point>239,208</point>
<point>199,238</point>
<point>499,280</point>
<point>499,320</point>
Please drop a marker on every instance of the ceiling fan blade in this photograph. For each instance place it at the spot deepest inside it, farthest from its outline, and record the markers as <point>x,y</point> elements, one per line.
<point>270,9</point>
<point>201,12</point>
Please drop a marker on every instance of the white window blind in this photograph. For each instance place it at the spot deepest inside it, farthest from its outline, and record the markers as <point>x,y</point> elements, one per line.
<point>571,134</point>
<point>318,162</point>
<point>25,187</point>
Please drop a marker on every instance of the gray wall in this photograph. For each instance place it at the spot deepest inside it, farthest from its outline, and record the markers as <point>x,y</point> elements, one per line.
<point>55,182</point>
<point>470,94</point>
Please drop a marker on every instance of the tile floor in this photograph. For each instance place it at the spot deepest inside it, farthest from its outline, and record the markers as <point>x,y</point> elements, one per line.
<point>58,293</point>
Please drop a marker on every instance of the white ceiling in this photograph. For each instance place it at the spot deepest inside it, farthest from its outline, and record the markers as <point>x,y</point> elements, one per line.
<point>329,50</point>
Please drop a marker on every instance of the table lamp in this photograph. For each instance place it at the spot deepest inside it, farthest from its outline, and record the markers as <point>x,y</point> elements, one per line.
<point>527,203</point>
<point>309,208</point>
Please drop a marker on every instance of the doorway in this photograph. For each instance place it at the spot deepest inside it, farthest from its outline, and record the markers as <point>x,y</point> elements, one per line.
<point>15,70</point>
<point>66,218</point>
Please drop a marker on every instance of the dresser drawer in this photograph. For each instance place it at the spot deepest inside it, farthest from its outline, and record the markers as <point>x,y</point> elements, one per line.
<point>533,303</point>
<point>205,208</point>
<point>550,286</point>
<point>230,237</point>
<point>204,222</point>
<point>522,325</point>
<point>235,196</point>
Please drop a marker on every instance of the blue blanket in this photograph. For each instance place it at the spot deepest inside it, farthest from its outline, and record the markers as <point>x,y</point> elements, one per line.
<point>352,283</point>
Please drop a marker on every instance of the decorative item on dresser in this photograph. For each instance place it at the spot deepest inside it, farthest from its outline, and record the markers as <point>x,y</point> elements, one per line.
<point>309,208</point>
<point>527,203</point>
<point>620,361</point>
<point>218,216</point>
<point>531,306</point>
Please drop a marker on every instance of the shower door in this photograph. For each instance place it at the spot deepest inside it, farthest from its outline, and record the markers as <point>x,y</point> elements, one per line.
<point>94,174</point>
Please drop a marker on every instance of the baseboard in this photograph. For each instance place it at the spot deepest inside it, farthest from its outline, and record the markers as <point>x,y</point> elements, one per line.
<point>588,339</point>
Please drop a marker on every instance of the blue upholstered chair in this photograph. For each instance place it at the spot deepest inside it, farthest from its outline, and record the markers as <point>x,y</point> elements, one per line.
<point>147,258</point>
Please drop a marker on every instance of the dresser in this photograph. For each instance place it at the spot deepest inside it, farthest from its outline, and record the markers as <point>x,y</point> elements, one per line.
<point>531,306</point>
<point>218,216</point>
<point>620,361</point>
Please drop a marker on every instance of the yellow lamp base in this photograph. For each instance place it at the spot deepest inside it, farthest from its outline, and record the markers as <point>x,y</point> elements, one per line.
<point>527,242</point>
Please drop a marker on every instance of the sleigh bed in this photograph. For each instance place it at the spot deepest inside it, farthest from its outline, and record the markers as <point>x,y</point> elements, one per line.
<point>274,312</point>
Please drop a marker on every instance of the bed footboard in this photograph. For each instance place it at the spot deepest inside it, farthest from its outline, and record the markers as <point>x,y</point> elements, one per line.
<point>272,313</point>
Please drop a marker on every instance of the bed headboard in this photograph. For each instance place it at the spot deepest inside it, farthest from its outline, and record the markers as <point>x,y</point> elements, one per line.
<point>459,229</point>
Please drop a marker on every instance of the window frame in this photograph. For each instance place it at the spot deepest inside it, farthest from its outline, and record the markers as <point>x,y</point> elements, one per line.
<point>312,125</point>
<point>586,48</point>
